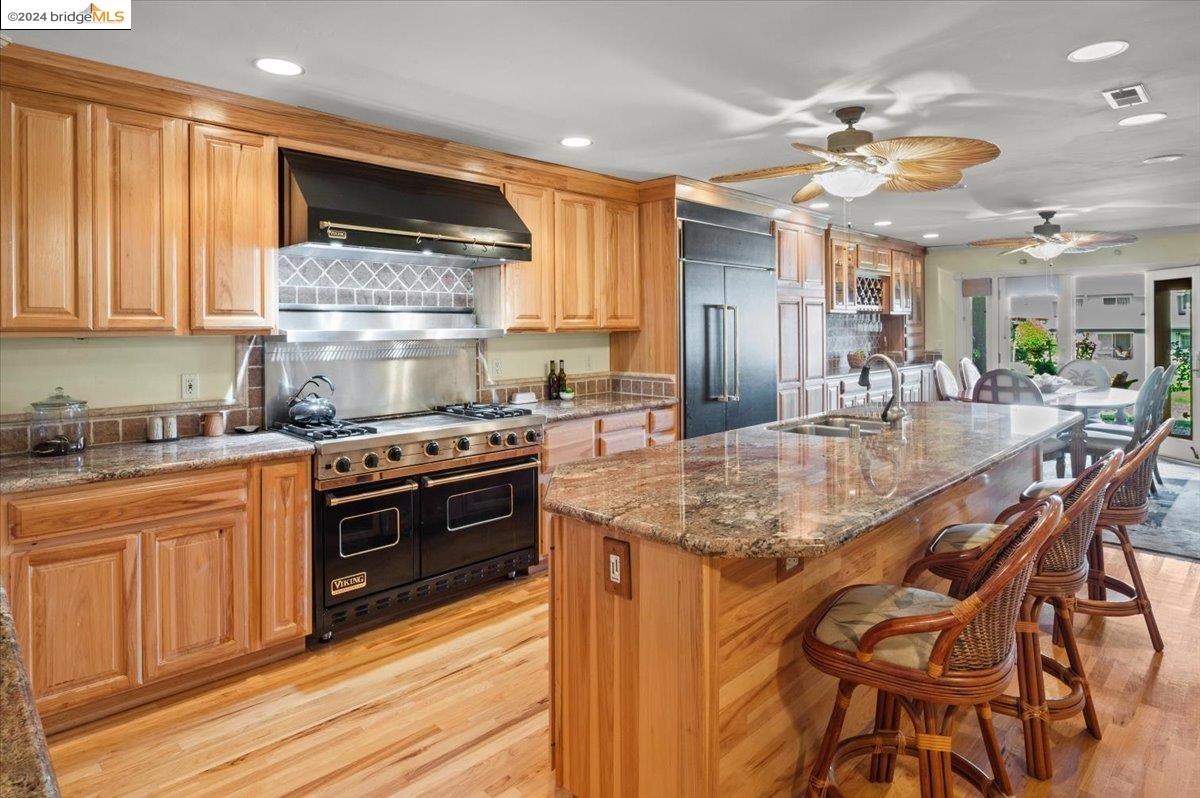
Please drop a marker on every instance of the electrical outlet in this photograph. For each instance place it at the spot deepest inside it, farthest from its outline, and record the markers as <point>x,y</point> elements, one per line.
<point>587,363</point>
<point>496,370</point>
<point>189,385</point>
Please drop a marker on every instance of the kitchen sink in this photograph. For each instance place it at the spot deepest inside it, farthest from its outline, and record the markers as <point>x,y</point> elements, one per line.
<point>833,427</point>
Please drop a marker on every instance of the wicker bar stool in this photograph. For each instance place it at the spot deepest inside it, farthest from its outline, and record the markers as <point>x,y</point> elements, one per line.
<point>1061,572</point>
<point>929,655</point>
<point>1128,504</point>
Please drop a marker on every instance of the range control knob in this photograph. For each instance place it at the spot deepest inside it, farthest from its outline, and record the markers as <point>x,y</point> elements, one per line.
<point>371,460</point>
<point>495,439</point>
<point>512,439</point>
<point>395,453</point>
<point>463,444</point>
<point>432,448</point>
<point>342,465</point>
<point>531,435</point>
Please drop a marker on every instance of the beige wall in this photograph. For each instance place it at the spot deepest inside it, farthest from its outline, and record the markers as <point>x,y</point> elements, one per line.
<point>1174,246</point>
<point>114,372</point>
<point>527,355</point>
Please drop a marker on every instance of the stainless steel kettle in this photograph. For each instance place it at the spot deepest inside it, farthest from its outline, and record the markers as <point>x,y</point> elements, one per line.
<point>313,408</point>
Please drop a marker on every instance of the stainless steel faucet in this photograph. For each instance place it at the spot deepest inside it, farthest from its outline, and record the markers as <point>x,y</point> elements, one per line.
<point>893,411</point>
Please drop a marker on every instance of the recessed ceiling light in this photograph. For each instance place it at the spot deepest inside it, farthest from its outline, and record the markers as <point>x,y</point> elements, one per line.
<point>1097,52</point>
<point>819,206</point>
<point>930,235</point>
<point>576,141</point>
<point>1142,119</point>
<point>883,222</point>
<point>1163,158</point>
<point>278,66</point>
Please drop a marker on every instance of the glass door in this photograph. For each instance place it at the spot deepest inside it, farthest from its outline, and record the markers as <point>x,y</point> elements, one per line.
<point>979,326</point>
<point>1173,335</point>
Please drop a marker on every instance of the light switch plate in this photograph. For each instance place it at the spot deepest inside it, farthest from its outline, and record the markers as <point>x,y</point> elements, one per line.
<point>618,568</point>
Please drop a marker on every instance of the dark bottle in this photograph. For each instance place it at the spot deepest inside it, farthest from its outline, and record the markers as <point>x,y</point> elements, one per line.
<point>551,383</point>
<point>562,378</point>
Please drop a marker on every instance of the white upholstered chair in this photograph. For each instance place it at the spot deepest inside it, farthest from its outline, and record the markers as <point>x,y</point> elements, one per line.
<point>943,381</point>
<point>1086,372</point>
<point>968,373</point>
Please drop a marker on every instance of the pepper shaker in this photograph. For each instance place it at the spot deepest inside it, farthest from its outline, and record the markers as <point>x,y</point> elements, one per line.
<point>154,428</point>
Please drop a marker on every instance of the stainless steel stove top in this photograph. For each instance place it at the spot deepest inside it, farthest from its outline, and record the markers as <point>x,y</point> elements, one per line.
<point>361,446</point>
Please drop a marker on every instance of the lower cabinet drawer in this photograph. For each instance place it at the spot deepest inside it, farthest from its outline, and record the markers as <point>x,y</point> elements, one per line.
<point>621,421</point>
<point>625,440</point>
<point>661,420</point>
<point>661,438</point>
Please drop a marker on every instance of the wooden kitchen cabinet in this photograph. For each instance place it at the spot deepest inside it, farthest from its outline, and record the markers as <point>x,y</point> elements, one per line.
<point>234,230</point>
<point>902,297</point>
<point>46,213</point>
<point>800,255</point>
<point>529,285</point>
<point>141,228</point>
<point>285,545</point>
<point>579,250</point>
<point>75,607</point>
<point>621,282</point>
<point>843,268</point>
<point>197,593</point>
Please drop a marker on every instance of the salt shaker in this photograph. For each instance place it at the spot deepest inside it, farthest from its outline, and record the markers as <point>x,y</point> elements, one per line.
<point>170,428</point>
<point>154,428</point>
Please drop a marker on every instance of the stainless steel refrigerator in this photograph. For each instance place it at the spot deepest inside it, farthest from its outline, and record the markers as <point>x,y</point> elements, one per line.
<point>728,315</point>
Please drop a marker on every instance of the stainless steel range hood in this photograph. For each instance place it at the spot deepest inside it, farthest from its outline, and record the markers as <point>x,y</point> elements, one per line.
<point>329,326</point>
<point>334,207</point>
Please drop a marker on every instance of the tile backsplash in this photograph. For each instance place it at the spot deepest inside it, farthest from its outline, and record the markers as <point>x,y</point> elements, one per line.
<point>352,282</point>
<point>847,332</point>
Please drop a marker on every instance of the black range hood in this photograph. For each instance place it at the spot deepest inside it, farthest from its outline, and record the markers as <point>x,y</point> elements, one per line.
<point>334,208</point>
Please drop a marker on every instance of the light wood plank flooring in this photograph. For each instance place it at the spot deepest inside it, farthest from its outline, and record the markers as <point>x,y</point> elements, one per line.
<point>455,703</point>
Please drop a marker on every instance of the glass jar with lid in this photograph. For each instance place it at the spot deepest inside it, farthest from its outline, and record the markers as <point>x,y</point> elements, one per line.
<point>60,424</point>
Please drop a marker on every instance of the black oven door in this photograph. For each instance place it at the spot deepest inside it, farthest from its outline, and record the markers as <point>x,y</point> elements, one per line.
<point>474,515</point>
<point>368,543</point>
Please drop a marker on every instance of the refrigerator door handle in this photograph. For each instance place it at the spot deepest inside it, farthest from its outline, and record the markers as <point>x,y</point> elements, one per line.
<point>724,395</point>
<point>737,360</point>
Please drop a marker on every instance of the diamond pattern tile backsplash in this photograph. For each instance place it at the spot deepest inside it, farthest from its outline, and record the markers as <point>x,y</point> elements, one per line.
<point>350,282</point>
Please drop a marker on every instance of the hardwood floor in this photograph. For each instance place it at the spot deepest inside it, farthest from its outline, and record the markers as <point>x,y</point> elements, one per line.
<point>455,703</point>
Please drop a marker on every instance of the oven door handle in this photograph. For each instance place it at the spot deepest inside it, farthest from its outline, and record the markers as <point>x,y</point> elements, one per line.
<point>470,475</point>
<point>334,501</point>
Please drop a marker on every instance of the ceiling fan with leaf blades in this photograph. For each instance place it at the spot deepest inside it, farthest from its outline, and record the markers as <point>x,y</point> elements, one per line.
<point>1048,241</point>
<point>854,164</point>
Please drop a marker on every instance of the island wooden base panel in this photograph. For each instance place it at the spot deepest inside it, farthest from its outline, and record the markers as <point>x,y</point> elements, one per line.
<point>697,685</point>
<point>454,703</point>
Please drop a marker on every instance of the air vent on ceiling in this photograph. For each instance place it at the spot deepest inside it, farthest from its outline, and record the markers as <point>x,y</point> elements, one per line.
<point>1126,96</point>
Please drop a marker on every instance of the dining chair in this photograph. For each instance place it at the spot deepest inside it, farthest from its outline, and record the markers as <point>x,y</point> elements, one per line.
<point>1007,387</point>
<point>1086,372</point>
<point>944,383</point>
<point>969,373</point>
<point>929,655</point>
<point>1061,572</point>
<point>1126,505</point>
<point>1103,437</point>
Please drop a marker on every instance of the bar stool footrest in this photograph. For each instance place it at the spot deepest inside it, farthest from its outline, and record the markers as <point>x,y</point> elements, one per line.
<point>899,744</point>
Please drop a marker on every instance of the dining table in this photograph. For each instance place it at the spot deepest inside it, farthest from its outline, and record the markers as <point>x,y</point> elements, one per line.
<point>1085,398</point>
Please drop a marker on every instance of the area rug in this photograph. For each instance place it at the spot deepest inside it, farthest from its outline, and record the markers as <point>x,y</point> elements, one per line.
<point>1173,526</point>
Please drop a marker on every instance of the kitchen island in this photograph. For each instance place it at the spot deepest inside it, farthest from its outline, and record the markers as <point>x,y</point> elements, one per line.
<point>681,573</point>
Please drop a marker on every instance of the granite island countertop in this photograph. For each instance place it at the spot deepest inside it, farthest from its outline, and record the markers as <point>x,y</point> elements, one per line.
<point>598,405</point>
<point>25,472</point>
<point>761,492</point>
<point>25,770</point>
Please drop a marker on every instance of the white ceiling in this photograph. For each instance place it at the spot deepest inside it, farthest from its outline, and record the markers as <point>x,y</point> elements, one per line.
<point>699,88</point>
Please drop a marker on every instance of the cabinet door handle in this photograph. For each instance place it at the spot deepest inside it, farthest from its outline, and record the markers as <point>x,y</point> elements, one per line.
<point>737,360</point>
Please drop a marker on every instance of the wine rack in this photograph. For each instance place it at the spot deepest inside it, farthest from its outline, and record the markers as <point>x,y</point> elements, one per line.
<point>871,291</point>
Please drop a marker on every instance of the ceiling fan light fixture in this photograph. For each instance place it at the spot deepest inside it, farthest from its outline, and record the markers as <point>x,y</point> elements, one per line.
<point>1097,51</point>
<point>1142,119</point>
<point>849,183</point>
<point>1048,250</point>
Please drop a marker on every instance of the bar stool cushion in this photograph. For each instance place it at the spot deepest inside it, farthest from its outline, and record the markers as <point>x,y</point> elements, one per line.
<point>863,606</point>
<point>1104,442</point>
<point>961,537</point>
<point>1047,487</point>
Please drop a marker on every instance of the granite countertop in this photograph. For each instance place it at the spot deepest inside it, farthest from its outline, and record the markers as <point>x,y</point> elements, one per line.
<point>25,769</point>
<point>759,492</point>
<point>24,472</point>
<point>598,405</point>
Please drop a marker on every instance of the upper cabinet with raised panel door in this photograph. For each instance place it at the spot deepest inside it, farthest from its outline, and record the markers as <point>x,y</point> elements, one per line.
<point>95,229</point>
<point>234,229</point>
<point>579,248</point>
<point>597,277</point>
<point>620,289</point>
<point>140,231</point>
<point>800,255</point>
<point>529,285</point>
<point>46,213</point>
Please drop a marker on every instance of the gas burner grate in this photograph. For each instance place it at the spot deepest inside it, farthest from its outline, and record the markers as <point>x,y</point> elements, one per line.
<point>324,431</point>
<point>473,410</point>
